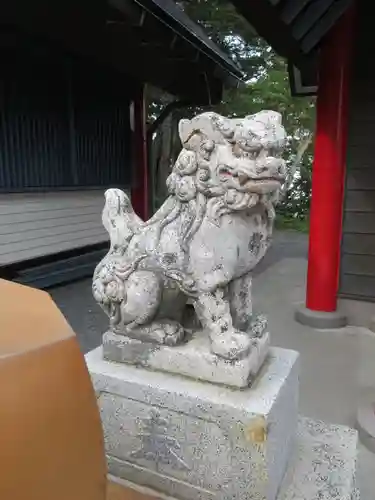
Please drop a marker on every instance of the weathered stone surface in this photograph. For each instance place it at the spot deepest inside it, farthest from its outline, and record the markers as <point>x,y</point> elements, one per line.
<point>203,242</point>
<point>324,463</point>
<point>195,440</point>
<point>194,358</point>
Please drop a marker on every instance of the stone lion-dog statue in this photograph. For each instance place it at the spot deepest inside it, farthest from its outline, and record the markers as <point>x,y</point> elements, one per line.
<point>203,242</point>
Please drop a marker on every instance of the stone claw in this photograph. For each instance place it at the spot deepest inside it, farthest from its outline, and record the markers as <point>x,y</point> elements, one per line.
<point>232,346</point>
<point>167,333</point>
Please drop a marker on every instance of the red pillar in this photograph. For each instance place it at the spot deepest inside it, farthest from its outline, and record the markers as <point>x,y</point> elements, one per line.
<point>139,191</point>
<point>329,168</point>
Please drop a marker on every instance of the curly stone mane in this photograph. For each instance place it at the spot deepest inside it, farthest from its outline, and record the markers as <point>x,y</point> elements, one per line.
<point>190,182</point>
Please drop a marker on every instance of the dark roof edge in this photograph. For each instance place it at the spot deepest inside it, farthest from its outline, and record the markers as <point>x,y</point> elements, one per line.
<point>169,13</point>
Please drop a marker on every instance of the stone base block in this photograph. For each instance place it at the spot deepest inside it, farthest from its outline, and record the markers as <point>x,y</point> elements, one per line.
<point>323,465</point>
<point>193,359</point>
<point>195,440</point>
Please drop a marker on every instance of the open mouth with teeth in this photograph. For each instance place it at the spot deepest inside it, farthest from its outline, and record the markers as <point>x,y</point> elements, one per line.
<point>246,182</point>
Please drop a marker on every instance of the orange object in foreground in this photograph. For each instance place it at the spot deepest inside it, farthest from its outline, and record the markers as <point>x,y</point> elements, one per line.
<point>51,443</point>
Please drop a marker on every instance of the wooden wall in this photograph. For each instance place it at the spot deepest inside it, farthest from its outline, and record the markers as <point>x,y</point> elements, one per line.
<point>65,138</point>
<point>358,243</point>
<point>34,225</point>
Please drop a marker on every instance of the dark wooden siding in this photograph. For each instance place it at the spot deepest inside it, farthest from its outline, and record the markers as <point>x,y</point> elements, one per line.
<point>64,138</point>
<point>358,243</point>
<point>64,121</point>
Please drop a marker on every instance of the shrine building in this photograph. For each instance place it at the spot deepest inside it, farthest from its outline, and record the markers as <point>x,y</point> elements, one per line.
<point>72,119</point>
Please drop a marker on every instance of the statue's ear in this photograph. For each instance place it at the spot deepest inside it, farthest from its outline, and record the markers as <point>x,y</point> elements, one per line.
<point>184,130</point>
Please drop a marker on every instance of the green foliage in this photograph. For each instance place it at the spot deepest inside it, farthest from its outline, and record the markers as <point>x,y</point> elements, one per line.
<point>286,223</point>
<point>231,32</point>
<point>296,200</point>
<point>267,87</point>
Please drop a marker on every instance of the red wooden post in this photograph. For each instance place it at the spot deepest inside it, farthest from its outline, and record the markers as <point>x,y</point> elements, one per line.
<point>139,191</point>
<point>328,178</point>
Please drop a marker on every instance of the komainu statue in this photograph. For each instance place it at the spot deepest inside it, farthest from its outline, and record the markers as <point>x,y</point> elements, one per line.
<point>203,242</point>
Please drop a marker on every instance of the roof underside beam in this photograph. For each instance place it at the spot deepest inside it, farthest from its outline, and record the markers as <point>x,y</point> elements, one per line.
<point>126,36</point>
<point>175,46</point>
<point>294,28</point>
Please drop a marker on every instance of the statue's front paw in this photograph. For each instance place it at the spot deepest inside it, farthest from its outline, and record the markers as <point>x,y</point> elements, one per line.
<point>167,333</point>
<point>232,346</point>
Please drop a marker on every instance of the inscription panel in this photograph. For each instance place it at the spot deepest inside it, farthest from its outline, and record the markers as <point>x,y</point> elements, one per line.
<point>166,442</point>
<point>197,441</point>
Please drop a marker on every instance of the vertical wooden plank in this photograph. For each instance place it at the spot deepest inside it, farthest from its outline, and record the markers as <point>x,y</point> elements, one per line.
<point>139,191</point>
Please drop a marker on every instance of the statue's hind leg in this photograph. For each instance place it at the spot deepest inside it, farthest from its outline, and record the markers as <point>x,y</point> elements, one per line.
<point>139,309</point>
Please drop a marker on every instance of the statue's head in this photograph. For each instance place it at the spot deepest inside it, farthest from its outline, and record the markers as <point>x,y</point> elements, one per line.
<point>235,156</point>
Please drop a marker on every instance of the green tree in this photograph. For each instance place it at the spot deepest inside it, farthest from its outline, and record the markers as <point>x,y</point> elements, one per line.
<point>267,87</point>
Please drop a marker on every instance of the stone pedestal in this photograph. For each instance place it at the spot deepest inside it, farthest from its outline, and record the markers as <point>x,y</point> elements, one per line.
<point>322,465</point>
<point>194,358</point>
<point>195,440</point>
